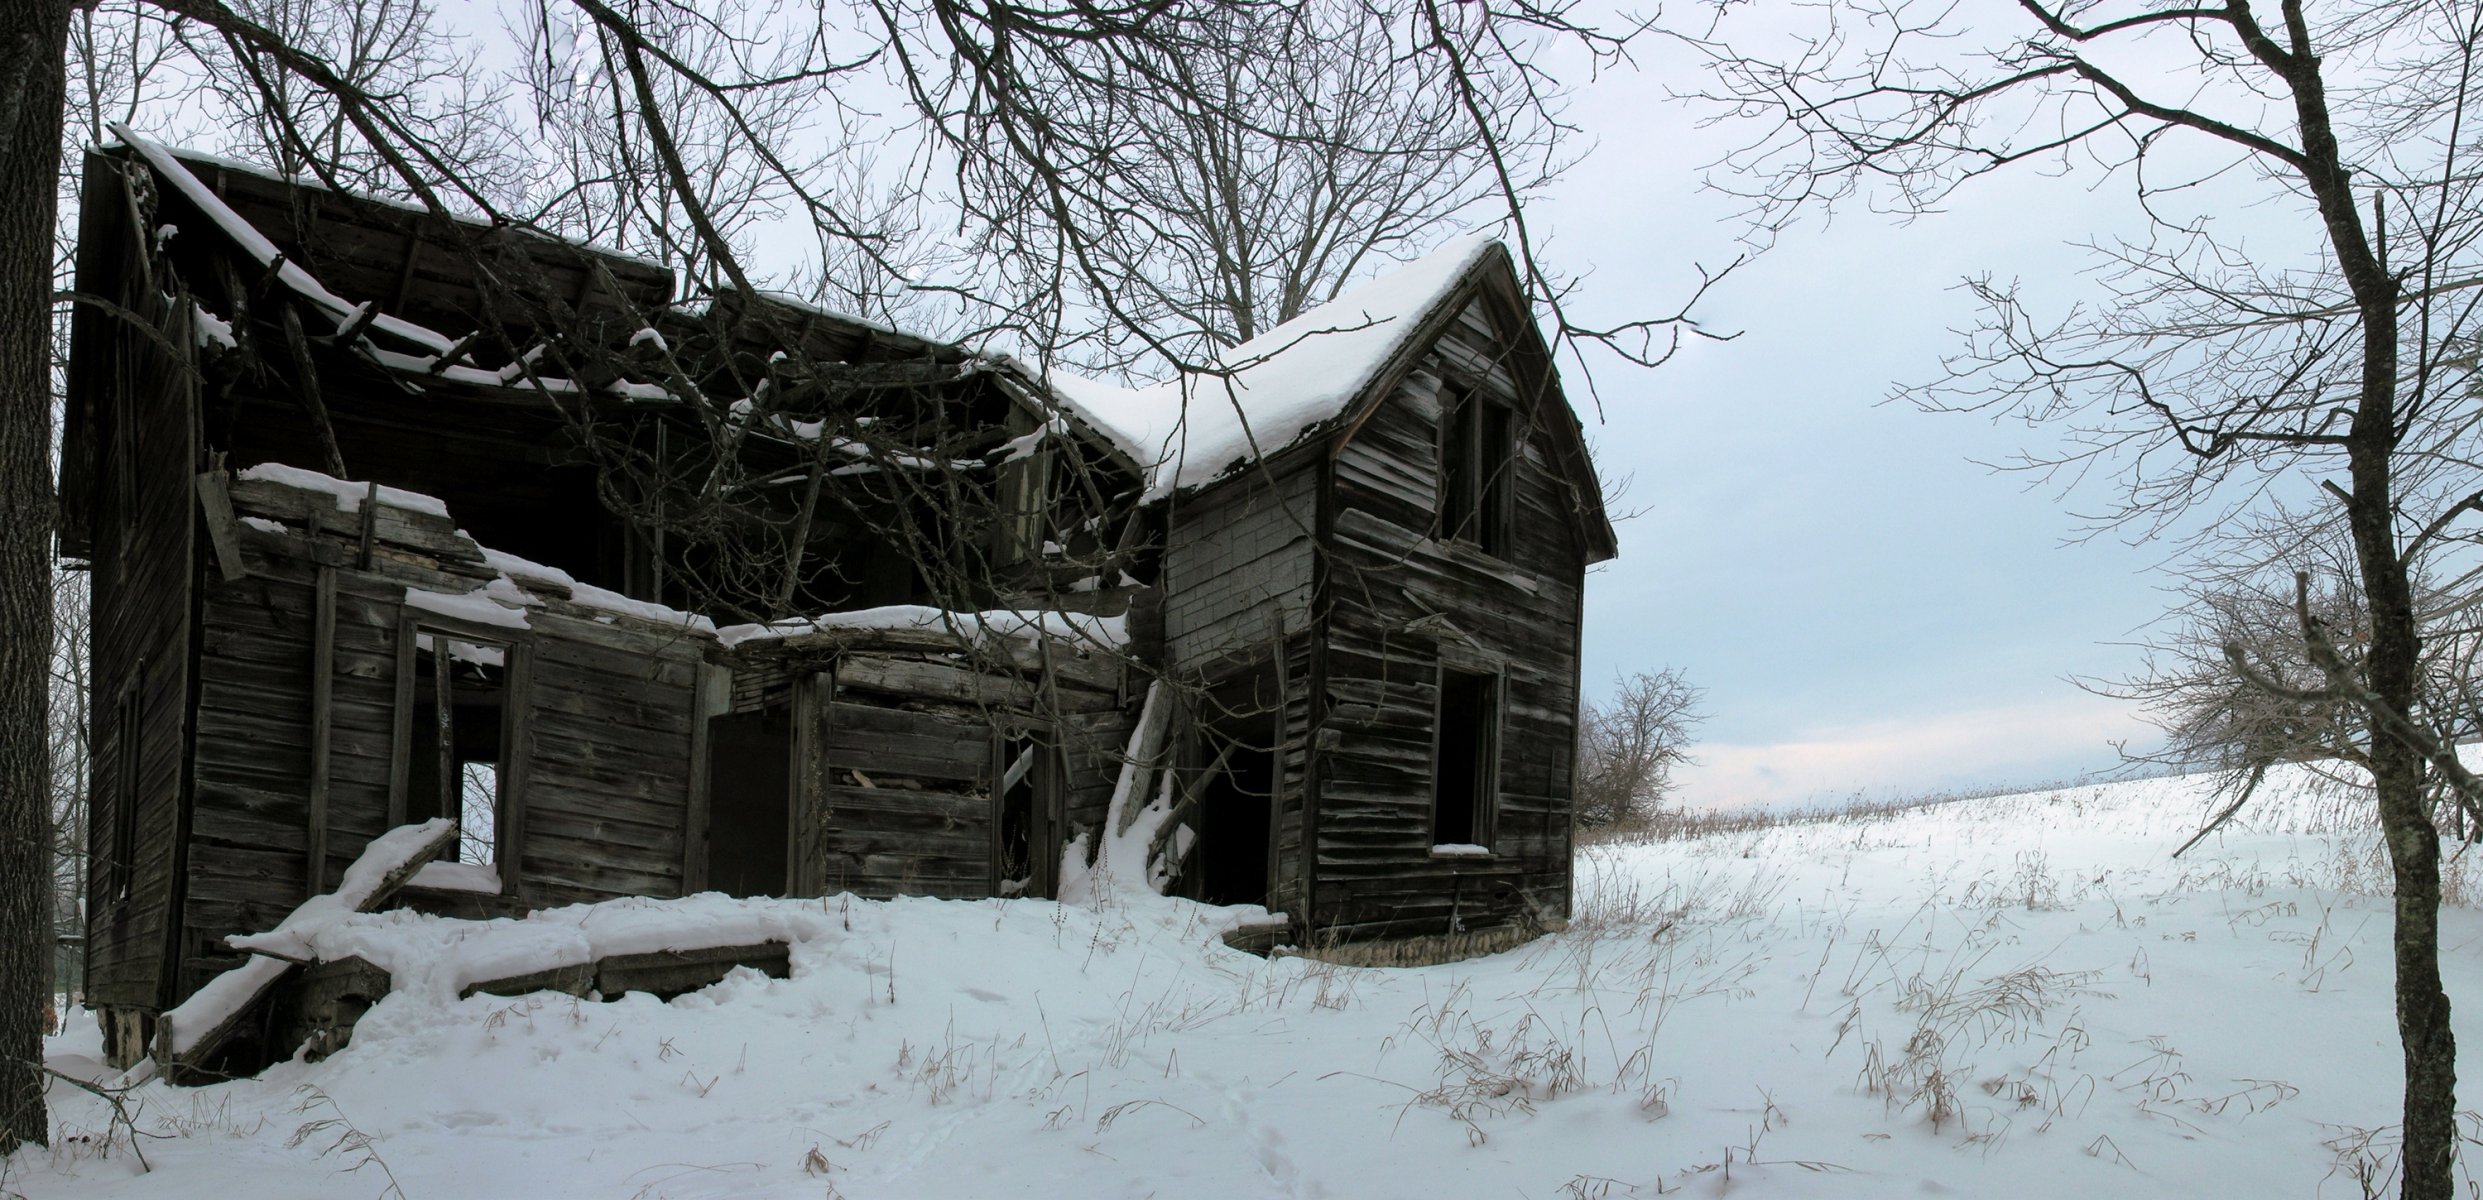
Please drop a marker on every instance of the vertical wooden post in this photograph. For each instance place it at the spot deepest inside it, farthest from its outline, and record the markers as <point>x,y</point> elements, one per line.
<point>516,766</point>
<point>322,697</point>
<point>401,746</point>
<point>808,813</point>
<point>444,725</point>
<point>1276,764</point>
<point>713,697</point>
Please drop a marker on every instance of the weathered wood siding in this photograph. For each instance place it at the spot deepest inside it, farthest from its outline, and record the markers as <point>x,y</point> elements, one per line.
<point>1374,870</point>
<point>598,808</point>
<point>1240,563</point>
<point>905,803</point>
<point>609,768</point>
<point>249,828</point>
<point>145,396</point>
<point>1237,566</point>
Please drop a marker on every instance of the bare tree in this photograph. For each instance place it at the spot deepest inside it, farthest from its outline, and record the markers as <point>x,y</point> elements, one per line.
<point>1264,179</point>
<point>33,44</point>
<point>2211,378</point>
<point>1629,746</point>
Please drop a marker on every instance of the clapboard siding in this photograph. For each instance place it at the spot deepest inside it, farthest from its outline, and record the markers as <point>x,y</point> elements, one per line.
<point>1237,561</point>
<point>1389,583</point>
<point>606,798</point>
<point>142,393</point>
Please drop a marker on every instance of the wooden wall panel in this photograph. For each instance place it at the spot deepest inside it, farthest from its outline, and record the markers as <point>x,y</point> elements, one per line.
<point>1390,586</point>
<point>906,808</point>
<point>140,387</point>
<point>1237,562</point>
<point>607,796</point>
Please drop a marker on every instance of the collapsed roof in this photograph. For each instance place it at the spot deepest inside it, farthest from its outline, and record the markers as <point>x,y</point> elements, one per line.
<point>1304,382</point>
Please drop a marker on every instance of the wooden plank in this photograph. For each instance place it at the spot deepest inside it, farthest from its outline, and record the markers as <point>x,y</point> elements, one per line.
<point>186,1059</point>
<point>669,973</point>
<point>401,749</point>
<point>216,506</point>
<point>917,677</point>
<point>811,702</point>
<point>577,980</point>
<point>517,756</point>
<point>322,731</point>
<point>713,698</point>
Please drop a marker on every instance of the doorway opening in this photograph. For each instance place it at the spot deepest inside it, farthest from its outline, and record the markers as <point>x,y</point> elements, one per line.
<point>750,800</point>
<point>1237,810</point>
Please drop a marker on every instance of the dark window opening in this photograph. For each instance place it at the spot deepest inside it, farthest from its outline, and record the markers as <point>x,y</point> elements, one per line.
<point>1478,444</point>
<point>1236,813</point>
<point>459,756</point>
<point>1466,767</point>
<point>1026,849</point>
<point>750,800</point>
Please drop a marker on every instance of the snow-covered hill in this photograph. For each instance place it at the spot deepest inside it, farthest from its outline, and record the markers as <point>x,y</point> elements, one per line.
<point>2013,996</point>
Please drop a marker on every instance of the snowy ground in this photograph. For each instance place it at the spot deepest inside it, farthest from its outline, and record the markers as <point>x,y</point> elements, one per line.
<point>2016,996</point>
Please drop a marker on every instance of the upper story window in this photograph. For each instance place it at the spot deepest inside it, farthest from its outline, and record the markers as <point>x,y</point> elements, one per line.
<point>1478,455</point>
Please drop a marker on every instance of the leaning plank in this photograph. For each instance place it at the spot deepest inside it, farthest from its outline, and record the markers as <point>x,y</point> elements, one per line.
<point>188,1037</point>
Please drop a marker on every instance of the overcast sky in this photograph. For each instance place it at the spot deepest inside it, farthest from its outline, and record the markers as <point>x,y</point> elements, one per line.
<point>1868,609</point>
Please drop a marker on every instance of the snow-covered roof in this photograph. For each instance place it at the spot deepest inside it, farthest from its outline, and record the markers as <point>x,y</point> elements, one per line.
<point>1265,393</point>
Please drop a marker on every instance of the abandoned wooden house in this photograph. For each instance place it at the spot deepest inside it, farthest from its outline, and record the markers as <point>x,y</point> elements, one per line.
<point>392,517</point>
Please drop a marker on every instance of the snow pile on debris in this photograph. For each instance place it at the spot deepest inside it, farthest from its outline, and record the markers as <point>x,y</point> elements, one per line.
<point>383,864</point>
<point>2019,996</point>
<point>438,958</point>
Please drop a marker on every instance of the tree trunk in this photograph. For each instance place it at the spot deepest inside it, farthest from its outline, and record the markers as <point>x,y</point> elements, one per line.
<point>2428,1044</point>
<point>34,37</point>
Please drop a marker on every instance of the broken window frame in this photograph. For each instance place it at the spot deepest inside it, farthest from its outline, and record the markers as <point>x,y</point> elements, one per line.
<point>1477,470</point>
<point>1481,754</point>
<point>508,805</point>
<point>1046,782</point>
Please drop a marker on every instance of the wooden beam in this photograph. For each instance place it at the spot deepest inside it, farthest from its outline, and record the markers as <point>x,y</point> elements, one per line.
<point>713,698</point>
<point>322,734</point>
<point>306,386</point>
<point>223,532</point>
<point>370,526</point>
<point>807,815</point>
<point>517,765</point>
<point>401,747</point>
<point>451,798</point>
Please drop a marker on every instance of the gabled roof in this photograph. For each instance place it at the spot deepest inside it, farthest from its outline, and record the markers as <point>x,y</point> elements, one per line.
<point>1320,373</point>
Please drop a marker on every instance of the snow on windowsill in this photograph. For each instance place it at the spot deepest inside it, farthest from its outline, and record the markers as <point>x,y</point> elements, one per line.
<point>479,878</point>
<point>1460,850</point>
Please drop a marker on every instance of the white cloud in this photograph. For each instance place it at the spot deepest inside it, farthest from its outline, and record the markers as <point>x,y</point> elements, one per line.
<point>2028,742</point>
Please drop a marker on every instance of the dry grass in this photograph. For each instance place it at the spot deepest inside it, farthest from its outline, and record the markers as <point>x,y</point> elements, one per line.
<point>1677,824</point>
